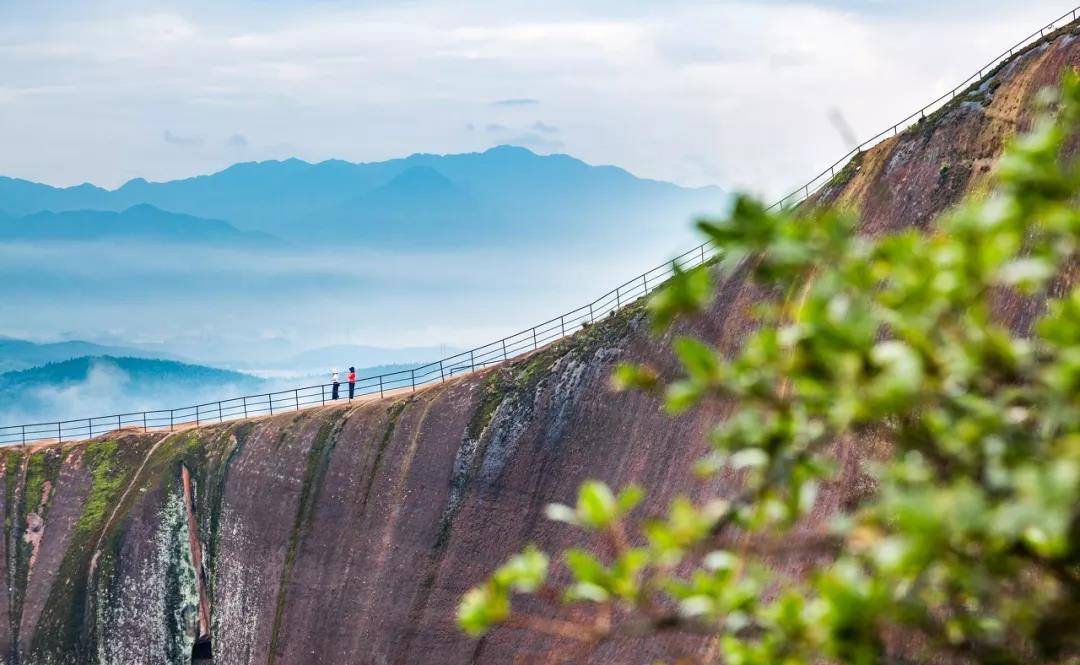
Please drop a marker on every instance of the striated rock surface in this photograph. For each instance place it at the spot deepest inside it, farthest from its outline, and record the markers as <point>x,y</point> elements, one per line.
<point>346,534</point>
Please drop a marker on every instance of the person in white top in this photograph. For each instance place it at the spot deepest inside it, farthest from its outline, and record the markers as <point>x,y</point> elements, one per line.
<point>334,379</point>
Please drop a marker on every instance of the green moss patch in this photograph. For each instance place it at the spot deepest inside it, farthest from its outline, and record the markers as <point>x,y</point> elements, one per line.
<point>64,631</point>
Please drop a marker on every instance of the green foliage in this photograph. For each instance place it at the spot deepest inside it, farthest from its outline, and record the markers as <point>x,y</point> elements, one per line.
<point>597,506</point>
<point>598,583</point>
<point>687,291</point>
<point>631,376</point>
<point>967,549</point>
<point>488,604</point>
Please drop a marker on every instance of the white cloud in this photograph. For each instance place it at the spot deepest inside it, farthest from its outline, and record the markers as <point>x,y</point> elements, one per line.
<point>520,101</point>
<point>180,139</point>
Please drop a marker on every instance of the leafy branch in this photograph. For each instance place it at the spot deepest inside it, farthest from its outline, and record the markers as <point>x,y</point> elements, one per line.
<point>969,544</point>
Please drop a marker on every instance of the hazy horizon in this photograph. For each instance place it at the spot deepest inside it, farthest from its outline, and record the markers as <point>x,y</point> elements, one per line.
<point>331,160</point>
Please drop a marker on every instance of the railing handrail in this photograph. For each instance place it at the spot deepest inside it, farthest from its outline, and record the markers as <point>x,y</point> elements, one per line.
<point>818,181</point>
<point>476,358</point>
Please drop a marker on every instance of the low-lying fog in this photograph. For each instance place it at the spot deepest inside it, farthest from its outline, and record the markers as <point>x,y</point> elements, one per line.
<point>272,313</point>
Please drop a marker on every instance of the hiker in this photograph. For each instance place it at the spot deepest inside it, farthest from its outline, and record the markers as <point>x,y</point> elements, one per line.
<point>334,379</point>
<point>352,381</point>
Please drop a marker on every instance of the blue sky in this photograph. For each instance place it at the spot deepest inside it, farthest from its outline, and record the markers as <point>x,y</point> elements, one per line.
<point>731,93</point>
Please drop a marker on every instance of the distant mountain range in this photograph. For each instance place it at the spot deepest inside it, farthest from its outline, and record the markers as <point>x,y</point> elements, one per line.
<point>504,195</point>
<point>19,354</point>
<point>142,373</point>
<point>102,385</point>
<point>140,222</point>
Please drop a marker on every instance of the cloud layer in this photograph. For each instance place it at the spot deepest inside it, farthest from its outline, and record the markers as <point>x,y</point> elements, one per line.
<point>734,93</point>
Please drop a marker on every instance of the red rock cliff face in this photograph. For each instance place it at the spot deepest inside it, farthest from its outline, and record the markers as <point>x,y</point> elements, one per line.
<point>347,534</point>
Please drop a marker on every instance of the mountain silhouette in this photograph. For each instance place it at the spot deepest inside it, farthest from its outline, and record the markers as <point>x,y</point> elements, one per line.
<point>18,354</point>
<point>140,222</point>
<point>502,196</point>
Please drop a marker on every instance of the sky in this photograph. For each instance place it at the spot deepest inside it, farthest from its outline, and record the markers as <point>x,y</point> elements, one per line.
<point>746,95</point>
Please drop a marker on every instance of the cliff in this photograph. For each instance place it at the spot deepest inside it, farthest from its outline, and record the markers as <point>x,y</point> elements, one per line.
<point>346,534</point>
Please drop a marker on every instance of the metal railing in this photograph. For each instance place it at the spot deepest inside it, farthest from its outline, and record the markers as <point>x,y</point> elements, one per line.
<point>482,356</point>
<point>407,380</point>
<point>823,178</point>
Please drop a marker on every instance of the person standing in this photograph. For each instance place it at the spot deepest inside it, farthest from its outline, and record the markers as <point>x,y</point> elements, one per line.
<point>352,381</point>
<point>334,379</point>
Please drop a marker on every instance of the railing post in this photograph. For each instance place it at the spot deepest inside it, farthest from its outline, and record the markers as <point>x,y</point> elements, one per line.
<point>703,252</point>
<point>412,378</point>
<point>144,429</point>
<point>645,283</point>
<point>380,386</point>
<point>442,374</point>
<point>562,325</point>
<point>504,348</point>
<point>170,420</point>
<point>219,419</point>
<point>197,423</point>
<point>245,405</point>
<point>118,425</point>
<point>270,402</point>
<point>535,346</point>
<point>472,361</point>
<point>24,434</point>
<point>59,433</point>
<point>591,318</point>
<point>322,393</point>
<point>618,299</point>
<point>296,398</point>
<point>90,422</point>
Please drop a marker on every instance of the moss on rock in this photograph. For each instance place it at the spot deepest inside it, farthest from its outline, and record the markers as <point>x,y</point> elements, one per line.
<point>64,630</point>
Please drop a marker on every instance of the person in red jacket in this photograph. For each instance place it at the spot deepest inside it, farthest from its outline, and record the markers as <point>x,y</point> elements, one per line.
<point>352,381</point>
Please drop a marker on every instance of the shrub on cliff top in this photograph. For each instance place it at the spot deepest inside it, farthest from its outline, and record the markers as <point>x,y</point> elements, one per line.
<point>968,547</point>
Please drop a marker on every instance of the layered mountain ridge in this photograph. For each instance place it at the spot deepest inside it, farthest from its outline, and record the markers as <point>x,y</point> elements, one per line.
<point>139,223</point>
<point>506,194</point>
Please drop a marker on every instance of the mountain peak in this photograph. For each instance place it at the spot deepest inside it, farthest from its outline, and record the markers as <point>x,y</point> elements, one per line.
<point>418,182</point>
<point>510,151</point>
